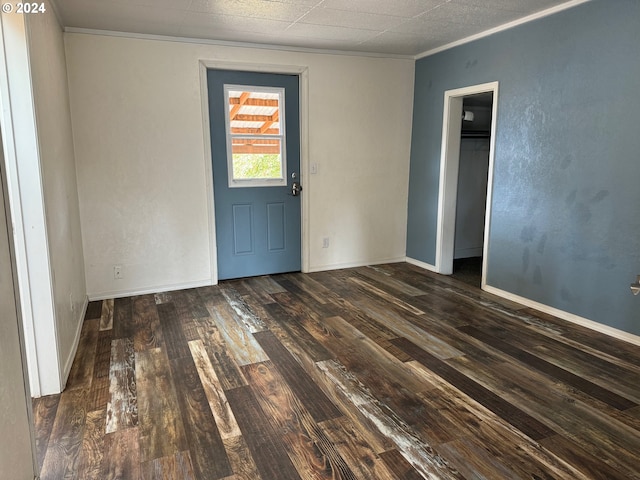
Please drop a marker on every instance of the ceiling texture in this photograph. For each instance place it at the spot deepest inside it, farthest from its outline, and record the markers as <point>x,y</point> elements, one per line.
<point>388,27</point>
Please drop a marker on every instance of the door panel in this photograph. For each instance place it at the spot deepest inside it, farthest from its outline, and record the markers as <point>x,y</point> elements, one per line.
<point>257,227</point>
<point>276,227</point>
<point>242,229</point>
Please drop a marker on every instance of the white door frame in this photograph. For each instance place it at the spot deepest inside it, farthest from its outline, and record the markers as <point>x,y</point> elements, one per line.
<point>26,197</point>
<point>303,74</point>
<point>449,164</point>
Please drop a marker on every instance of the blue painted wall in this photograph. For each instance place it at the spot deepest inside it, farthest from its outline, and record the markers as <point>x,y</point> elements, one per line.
<point>565,224</point>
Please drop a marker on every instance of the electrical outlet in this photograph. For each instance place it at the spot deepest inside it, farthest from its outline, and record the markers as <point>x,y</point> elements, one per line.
<point>325,242</point>
<point>117,272</point>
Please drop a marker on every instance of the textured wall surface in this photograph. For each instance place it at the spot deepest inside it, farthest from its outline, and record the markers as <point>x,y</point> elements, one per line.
<point>140,152</point>
<point>565,227</point>
<point>43,191</point>
<point>64,235</point>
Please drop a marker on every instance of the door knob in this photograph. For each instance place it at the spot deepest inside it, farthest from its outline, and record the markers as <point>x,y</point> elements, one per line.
<point>296,188</point>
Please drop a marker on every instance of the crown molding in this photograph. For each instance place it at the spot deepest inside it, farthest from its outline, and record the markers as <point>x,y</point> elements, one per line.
<point>226,43</point>
<point>501,28</point>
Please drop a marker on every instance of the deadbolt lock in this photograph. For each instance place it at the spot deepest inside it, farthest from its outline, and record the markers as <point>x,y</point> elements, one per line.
<point>296,188</point>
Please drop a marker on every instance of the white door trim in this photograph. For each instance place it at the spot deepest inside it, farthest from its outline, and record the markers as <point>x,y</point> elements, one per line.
<point>303,73</point>
<point>449,163</point>
<point>28,216</point>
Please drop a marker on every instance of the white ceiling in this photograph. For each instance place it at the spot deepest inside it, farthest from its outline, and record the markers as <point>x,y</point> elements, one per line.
<point>401,27</point>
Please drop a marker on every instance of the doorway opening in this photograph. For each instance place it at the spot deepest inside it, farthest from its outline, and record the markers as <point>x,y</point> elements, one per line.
<point>301,72</point>
<point>466,174</point>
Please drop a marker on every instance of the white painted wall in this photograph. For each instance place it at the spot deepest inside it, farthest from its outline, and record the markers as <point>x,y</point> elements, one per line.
<point>57,162</point>
<point>43,194</point>
<point>139,142</point>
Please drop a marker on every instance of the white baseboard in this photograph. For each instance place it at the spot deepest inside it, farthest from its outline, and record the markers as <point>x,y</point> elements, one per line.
<point>418,263</point>
<point>147,290</point>
<point>569,317</point>
<point>72,354</point>
<point>338,266</point>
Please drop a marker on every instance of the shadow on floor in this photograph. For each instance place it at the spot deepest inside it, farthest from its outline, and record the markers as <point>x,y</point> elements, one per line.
<point>468,270</point>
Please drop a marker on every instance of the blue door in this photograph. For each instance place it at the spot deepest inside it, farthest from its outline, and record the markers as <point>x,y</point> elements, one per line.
<point>255,150</point>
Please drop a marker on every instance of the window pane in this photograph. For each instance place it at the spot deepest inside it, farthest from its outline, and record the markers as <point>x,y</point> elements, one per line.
<point>255,135</point>
<point>256,158</point>
<point>254,113</point>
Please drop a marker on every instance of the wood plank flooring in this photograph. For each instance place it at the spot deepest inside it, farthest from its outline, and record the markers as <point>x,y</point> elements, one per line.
<point>385,372</point>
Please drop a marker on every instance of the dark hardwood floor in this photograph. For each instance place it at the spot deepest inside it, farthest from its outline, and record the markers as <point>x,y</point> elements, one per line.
<point>388,372</point>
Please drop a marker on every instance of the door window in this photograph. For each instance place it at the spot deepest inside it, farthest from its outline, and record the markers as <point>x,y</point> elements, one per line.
<point>255,127</point>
